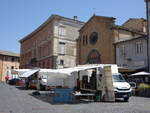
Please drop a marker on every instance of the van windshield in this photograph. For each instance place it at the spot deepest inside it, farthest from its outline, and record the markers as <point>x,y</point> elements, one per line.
<point>118,78</point>
<point>44,78</point>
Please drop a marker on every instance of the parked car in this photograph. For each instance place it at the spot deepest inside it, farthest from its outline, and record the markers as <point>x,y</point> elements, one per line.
<point>14,81</point>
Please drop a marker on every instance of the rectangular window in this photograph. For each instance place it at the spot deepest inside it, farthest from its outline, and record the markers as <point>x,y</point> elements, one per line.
<point>62,30</point>
<point>12,67</point>
<point>12,59</point>
<point>39,52</point>
<point>138,47</point>
<point>122,51</point>
<point>61,48</point>
<point>34,53</point>
<point>61,62</point>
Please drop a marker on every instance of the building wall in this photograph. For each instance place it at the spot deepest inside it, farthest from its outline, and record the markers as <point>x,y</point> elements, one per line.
<point>43,46</point>
<point>6,64</point>
<point>103,49</point>
<point>130,58</point>
<point>121,35</point>
<point>69,40</point>
<point>1,67</point>
<point>38,46</point>
<point>70,55</point>
<point>126,42</point>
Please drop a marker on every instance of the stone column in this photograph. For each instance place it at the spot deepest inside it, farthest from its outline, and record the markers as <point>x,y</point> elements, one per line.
<point>109,90</point>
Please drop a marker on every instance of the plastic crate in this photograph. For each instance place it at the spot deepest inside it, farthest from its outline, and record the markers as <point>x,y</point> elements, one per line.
<point>63,95</point>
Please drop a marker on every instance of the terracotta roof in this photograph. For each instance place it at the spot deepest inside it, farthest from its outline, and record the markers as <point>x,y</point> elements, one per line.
<point>54,16</point>
<point>128,29</point>
<point>135,20</point>
<point>8,53</point>
<point>137,24</point>
<point>134,38</point>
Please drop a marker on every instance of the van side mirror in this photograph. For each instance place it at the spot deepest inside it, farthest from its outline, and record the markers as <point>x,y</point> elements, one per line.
<point>133,84</point>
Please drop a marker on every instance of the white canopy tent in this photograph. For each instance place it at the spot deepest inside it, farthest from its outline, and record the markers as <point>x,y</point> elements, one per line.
<point>66,76</point>
<point>67,71</point>
<point>19,71</point>
<point>15,73</point>
<point>62,77</point>
<point>140,73</point>
<point>28,73</point>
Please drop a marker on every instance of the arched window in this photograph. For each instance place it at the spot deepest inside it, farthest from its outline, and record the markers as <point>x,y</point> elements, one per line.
<point>83,40</point>
<point>86,40</point>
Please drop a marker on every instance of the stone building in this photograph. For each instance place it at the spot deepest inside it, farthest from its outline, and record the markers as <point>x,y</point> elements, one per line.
<point>8,61</point>
<point>136,24</point>
<point>52,45</point>
<point>95,43</point>
<point>131,44</point>
<point>101,41</point>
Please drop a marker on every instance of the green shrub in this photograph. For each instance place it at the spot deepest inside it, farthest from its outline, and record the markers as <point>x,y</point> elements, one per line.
<point>143,86</point>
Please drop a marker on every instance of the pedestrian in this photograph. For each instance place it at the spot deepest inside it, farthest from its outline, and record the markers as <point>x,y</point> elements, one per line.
<point>6,78</point>
<point>27,83</point>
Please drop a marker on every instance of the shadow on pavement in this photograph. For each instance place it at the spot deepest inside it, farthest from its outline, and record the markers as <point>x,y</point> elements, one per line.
<point>21,88</point>
<point>45,97</point>
<point>24,88</point>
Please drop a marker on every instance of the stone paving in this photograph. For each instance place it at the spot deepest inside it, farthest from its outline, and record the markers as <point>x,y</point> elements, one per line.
<point>14,100</point>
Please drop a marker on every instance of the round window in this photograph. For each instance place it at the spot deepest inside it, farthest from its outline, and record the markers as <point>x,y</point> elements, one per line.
<point>93,37</point>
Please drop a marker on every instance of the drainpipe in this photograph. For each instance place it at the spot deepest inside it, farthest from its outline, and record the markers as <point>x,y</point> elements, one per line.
<point>147,35</point>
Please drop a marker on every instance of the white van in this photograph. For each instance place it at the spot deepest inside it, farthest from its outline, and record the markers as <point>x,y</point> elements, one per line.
<point>122,89</point>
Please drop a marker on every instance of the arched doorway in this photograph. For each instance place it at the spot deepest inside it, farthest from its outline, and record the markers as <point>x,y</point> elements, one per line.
<point>94,57</point>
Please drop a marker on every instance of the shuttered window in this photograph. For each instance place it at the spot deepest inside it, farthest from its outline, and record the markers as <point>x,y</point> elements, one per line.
<point>138,47</point>
<point>62,30</point>
<point>61,48</point>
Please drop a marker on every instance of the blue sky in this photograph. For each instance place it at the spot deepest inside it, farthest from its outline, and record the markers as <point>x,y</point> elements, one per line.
<point>18,18</point>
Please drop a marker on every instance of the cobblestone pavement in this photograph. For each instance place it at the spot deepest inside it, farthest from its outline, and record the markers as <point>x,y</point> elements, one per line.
<point>14,100</point>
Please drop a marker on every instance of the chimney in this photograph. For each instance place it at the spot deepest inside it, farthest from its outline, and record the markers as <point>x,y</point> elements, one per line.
<point>75,18</point>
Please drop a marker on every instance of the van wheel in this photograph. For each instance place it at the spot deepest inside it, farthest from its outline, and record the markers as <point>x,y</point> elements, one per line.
<point>126,99</point>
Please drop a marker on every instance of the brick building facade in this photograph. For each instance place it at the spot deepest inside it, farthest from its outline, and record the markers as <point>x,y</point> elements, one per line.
<point>95,44</point>
<point>52,45</point>
<point>8,61</point>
